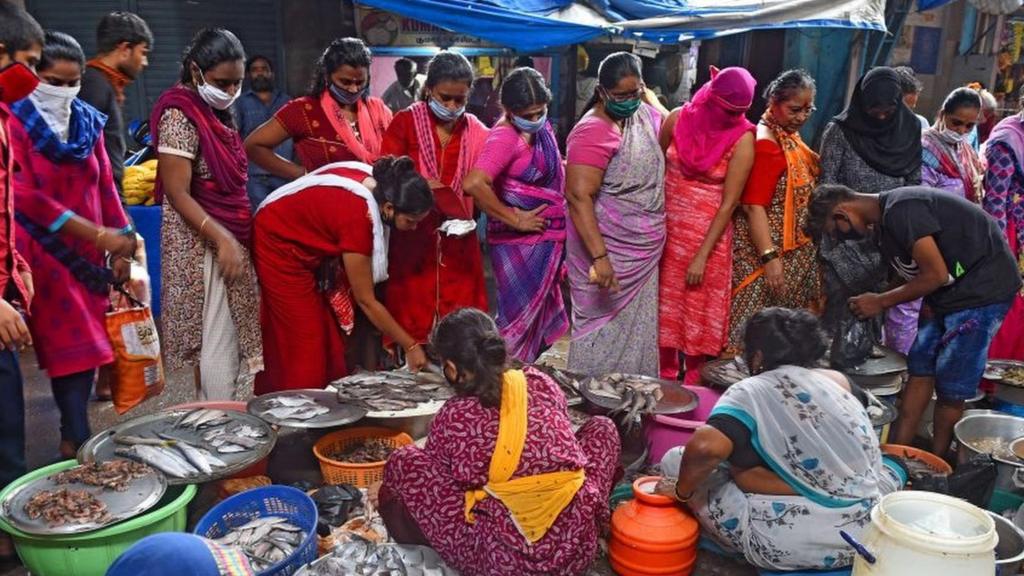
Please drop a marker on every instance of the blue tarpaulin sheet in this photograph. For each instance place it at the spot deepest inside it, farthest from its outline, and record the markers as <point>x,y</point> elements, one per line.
<point>529,25</point>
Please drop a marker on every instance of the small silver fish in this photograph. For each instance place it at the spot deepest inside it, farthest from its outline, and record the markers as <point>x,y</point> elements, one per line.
<point>154,457</point>
<point>293,401</point>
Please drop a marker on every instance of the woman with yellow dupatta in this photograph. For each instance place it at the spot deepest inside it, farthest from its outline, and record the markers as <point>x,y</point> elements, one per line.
<point>774,263</point>
<point>503,485</point>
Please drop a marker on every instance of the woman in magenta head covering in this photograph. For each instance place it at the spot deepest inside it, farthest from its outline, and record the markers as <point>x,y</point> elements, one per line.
<point>709,149</point>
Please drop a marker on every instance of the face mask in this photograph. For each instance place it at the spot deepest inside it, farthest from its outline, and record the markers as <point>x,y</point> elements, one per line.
<point>215,97</point>
<point>524,125</point>
<point>344,97</point>
<point>54,105</point>
<point>622,110</point>
<point>953,136</point>
<point>443,114</point>
<point>17,81</point>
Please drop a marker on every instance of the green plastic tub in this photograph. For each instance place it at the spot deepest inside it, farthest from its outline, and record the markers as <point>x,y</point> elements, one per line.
<point>90,554</point>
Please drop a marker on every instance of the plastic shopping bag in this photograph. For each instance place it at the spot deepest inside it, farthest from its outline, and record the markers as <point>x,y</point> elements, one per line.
<point>137,371</point>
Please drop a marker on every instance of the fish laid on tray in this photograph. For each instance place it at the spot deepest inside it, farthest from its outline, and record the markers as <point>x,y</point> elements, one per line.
<point>181,458</point>
<point>361,556</point>
<point>392,391</point>
<point>634,396</point>
<point>265,541</point>
<point>296,407</point>
<point>569,382</point>
<point>114,474</point>
<point>64,506</point>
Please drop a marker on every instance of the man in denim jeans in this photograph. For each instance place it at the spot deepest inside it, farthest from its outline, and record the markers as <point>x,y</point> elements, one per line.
<point>21,46</point>
<point>951,253</point>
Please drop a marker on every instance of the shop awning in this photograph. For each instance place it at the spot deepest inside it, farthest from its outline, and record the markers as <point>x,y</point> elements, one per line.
<point>529,25</point>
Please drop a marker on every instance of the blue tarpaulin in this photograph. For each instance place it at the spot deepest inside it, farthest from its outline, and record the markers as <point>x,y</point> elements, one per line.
<point>530,25</point>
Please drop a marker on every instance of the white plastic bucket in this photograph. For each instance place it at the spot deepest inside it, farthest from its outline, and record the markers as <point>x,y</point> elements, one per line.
<point>927,533</point>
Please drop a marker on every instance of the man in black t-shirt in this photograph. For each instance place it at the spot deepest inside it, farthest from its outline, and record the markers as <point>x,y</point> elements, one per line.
<point>951,253</point>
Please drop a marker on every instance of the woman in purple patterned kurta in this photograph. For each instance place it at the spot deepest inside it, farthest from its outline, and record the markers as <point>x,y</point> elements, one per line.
<point>423,495</point>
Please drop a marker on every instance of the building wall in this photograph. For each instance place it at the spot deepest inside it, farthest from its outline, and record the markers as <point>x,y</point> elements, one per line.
<point>308,26</point>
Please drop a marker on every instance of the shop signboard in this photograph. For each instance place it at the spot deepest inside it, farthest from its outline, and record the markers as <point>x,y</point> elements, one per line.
<point>386,29</point>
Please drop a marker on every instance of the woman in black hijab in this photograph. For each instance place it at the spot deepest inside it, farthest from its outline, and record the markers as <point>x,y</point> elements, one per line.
<point>872,146</point>
<point>875,144</point>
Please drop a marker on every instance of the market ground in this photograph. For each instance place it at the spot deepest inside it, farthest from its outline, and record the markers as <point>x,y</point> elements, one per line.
<point>43,423</point>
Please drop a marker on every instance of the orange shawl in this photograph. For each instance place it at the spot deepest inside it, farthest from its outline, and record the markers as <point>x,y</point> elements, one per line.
<point>373,117</point>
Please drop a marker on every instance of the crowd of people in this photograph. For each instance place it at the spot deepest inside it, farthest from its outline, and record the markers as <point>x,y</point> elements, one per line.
<point>303,238</point>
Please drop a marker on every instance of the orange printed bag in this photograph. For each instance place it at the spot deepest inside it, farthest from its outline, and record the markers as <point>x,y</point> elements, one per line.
<point>137,371</point>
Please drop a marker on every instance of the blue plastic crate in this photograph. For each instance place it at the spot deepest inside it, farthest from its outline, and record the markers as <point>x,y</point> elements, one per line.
<point>281,501</point>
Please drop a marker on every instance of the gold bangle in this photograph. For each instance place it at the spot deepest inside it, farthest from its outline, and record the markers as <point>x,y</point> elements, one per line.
<point>100,234</point>
<point>203,225</point>
<point>413,347</point>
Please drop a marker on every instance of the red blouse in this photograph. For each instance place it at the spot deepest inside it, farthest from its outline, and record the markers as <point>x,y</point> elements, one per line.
<point>316,141</point>
<point>769,165</point>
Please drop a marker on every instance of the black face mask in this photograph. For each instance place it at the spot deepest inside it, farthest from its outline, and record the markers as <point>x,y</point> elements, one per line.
<point>262,84</point>
<point>851,235</point>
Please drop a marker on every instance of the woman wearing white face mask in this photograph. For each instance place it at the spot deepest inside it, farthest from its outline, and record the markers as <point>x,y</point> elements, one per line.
<point>210,304</point>
<point>950,163</point>
<point>432,273</point>
<point>519,182</point>
<point>69,218</point>
<point>948,160</point>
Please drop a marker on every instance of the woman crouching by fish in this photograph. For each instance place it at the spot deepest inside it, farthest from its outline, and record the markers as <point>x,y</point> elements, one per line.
<point>503,485</point>
<point>325,232</point>
<point>173,554</point>
<point>800,450</point>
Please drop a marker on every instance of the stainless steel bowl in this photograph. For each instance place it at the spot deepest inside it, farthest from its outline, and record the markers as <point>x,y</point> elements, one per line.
<point>1005,427</point>
<point>1010,550</point>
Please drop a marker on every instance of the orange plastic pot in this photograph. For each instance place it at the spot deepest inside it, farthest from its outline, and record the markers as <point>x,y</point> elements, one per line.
<point>651,535</point>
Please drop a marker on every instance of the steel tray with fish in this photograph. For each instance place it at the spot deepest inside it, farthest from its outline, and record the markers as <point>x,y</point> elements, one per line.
<point>1008,372</point>
<point>568,381</point>
<point>140,494</point>
<point>674,399</point>
<point>308,408</point>
<point>188,446</point>
<point>725,372</point>
<point>362,557</point>
<point>394,394</point>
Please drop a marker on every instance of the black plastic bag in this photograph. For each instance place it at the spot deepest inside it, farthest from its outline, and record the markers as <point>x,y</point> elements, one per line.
<point>851,343</point>
<point>973,481</point>
<point>336,503</point>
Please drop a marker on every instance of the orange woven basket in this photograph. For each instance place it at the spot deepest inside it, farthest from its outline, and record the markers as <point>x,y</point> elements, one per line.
<point>359,475</point>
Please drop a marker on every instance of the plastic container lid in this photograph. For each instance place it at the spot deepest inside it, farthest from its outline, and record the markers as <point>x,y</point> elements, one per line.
<point>936,523</point>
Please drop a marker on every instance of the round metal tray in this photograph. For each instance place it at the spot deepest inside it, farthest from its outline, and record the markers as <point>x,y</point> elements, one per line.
<point>675,398</point>
<point>891,363</point>
<point>142,494</point>
<point>994,372</point>
<point>101,447</point>
<point>338,414</point>
<point>888,416</point>
<point>428,559</point>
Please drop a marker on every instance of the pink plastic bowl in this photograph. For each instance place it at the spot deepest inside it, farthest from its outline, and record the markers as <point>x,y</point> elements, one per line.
<point>664,432</point>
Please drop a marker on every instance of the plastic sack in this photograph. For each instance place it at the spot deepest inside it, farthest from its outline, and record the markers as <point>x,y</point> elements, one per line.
<point>851,343</point>
<point>336,503</point>
<point>973,481</point>
<point>137,372</point>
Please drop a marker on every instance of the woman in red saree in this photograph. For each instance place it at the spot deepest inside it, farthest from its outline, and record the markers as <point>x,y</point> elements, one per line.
<point>438,267</point>
<point>336,216</point>
<point>338,121</point>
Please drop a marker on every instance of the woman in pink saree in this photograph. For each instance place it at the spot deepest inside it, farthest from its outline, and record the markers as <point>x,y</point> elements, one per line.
<point>1004,200</point>
<point>519,181</point>
<point>614,184</point>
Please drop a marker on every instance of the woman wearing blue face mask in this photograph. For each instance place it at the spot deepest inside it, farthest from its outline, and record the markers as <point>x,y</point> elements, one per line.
<point>438,267</point>
<point>520,183</point>
<point>949,163</point>
<point>210,304</point>
<point>337,121</point>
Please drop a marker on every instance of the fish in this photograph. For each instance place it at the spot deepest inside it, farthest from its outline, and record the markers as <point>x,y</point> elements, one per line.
<point>631,396</point>
<point>265,541</point>
<point>159,458</point>
<point>242,441</point>
<point>193,455</point>
<point>202,417</point>
<point>247,431</point>
<point>128,440</point>
<point>393,391</point>
<point>296,412</point>
<point>292,401</point>
<point>361,556</point>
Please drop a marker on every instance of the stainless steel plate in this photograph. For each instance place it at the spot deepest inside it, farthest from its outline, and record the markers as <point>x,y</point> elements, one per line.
<point>995,369</point>
<point>338,414</point>
<point>100,447</point>
<point>676,399</point>
<point>891,363</point>
<point>415,558</point>
<point>142,494</point>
